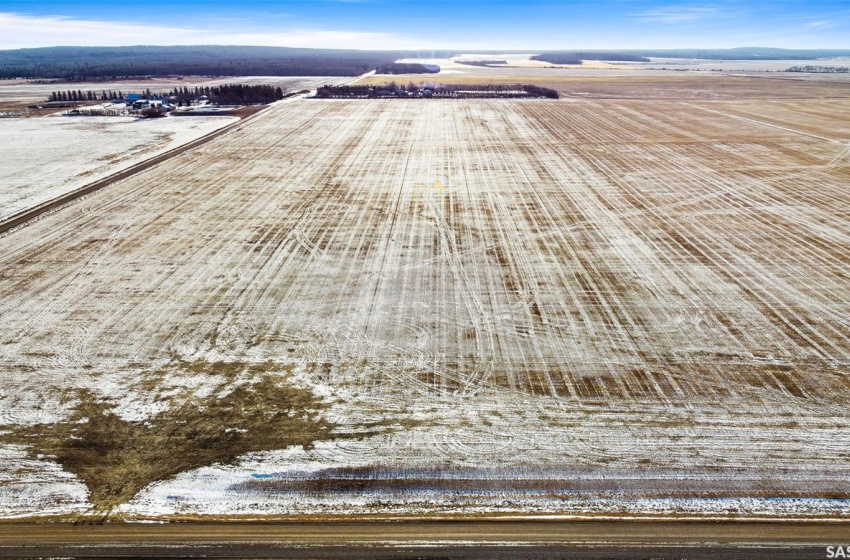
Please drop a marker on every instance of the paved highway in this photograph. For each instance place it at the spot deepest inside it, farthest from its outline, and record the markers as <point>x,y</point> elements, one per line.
<point>408,540</point>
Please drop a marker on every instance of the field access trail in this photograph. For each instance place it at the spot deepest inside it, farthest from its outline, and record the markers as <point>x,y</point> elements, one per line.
<point>588,284</point>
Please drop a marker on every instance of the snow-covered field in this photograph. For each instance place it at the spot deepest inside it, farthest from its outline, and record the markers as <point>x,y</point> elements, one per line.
<point>42,158</point>
<point>657,74</point>
<point>639,307</point>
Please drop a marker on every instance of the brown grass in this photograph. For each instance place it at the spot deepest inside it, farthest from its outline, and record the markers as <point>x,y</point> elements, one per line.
<point>116,458</point>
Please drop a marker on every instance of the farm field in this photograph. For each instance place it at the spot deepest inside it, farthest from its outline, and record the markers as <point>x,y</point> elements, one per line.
<point>582,306</point>
<point>46,157</point>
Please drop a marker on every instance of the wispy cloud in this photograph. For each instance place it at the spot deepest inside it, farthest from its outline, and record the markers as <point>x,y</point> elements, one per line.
<point>677,14</point>
<point>820,24</point>
<point>26,31</point>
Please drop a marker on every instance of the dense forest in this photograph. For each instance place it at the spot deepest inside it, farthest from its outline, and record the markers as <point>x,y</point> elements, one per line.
<point>92,63</point>
<point>451,91</point>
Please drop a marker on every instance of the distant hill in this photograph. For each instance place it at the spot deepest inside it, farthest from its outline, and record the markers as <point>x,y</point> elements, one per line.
<point>76,63</point>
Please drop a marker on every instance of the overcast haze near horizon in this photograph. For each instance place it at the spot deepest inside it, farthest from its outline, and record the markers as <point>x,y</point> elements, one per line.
<point>432,24</point>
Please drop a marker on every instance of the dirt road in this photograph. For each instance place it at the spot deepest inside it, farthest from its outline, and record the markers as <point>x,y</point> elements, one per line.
<point>465,539</point>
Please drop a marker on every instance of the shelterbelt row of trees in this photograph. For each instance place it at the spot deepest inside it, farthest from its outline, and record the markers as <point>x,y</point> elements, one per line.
<point>77,95</point>
<point>106,63</point>
<point>820,69</point>
<point>393,89</point>
<point>228,94</point>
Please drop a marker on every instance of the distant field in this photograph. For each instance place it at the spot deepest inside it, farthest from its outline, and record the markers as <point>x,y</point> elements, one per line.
<point>642,84</point>
<point>664,78</point>
<point>621,302</point>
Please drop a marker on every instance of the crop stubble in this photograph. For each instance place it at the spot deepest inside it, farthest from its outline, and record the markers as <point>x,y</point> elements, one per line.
<point>674,276</point>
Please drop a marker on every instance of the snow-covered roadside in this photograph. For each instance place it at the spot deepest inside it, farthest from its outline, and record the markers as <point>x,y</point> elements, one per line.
<point>532,457</point>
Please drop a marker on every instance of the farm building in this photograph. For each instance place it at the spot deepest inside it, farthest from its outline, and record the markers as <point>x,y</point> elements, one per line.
<point>142,104</point>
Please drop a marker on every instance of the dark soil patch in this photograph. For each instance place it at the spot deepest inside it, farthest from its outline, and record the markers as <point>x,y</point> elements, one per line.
<point>116,458</point>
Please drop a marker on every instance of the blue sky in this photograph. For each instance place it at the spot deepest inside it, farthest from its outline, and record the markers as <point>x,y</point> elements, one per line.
<point>418,24</point>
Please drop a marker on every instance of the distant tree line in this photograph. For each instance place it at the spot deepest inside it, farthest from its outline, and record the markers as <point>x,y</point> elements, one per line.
<point>93,63</point>
<point>483,63</point>
<point>395,90</point>
<point>643,55</point>
<point>407,68</point>
<point>820,69</point>
<point>579,57</point>
<point>742,53</point>
<point>558,58</point>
